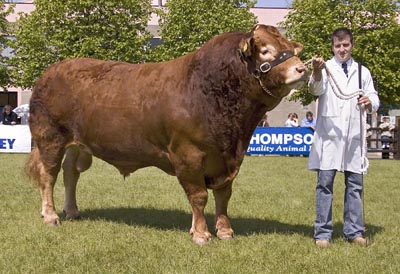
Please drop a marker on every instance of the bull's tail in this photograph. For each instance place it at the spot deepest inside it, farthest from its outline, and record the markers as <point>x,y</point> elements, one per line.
<point>49,137</point>
<point>33,166</point>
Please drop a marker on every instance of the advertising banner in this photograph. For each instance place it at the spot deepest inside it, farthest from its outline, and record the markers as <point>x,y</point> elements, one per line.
<point>281,140</point>
<point>15,139</point>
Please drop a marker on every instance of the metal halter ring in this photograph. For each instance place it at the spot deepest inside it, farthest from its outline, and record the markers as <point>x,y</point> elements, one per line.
<point>265,67</point>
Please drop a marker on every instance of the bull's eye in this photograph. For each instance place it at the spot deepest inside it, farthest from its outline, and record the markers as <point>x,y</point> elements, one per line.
<point>265,51</point>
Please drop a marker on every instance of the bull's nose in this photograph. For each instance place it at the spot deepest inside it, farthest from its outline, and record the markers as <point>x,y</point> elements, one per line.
<point>301,68</point>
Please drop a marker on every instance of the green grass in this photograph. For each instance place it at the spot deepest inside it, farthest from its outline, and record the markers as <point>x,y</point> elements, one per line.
<point>141,224</point>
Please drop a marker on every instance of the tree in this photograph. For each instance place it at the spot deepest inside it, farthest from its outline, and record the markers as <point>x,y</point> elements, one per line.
<point>376,38</point>
<point>60,29</point>
<point>4,41</point>
<point>186,24</point>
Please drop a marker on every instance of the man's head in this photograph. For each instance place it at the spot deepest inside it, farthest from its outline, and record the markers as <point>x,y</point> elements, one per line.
<point>342,44</point>
<point>309,116</point>
<point>7,109</point>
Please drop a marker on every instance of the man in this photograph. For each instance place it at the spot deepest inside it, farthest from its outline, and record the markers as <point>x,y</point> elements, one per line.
<point>309,121</point>
<point>337,139</point>
<point>9,117</point>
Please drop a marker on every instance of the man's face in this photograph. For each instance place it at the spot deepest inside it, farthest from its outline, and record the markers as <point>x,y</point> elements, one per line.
<point>342,48</point>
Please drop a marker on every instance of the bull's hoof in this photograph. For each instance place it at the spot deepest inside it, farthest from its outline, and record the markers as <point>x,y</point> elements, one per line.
<point>225,234</point>
<point>201,239</point>
<point>52,220</point>
<point>72,215</point>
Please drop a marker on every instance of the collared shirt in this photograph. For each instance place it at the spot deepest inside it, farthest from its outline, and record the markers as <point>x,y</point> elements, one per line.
<point>348,62</point>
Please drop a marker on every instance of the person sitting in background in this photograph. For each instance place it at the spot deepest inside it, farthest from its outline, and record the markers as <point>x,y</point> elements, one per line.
<point>386,131</point>
<point>9,117</point>
<point>292,120</point>
<point>309,121</point>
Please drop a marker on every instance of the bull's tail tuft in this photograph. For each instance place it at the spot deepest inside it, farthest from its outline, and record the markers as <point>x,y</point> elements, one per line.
<point>33,166</point>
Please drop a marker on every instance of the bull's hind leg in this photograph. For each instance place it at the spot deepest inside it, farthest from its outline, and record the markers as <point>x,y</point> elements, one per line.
<point>222,223</point>
<point>48,162</point>
<point>45,160</point>
<point>76,161</point>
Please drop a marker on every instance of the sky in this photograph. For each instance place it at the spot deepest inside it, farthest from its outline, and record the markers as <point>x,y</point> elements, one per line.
<point>274,3</point>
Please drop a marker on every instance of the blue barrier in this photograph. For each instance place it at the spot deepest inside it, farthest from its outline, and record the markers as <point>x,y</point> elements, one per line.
<point>281,140</point>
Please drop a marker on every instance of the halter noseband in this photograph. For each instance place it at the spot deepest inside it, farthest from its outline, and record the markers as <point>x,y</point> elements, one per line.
<point>267,66</point>
<point>282,57</point>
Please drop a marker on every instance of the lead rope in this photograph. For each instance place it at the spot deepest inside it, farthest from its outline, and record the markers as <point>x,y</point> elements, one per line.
<point>363,121</point>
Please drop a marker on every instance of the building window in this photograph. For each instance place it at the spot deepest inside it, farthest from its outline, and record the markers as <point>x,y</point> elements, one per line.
<point>8,98</point>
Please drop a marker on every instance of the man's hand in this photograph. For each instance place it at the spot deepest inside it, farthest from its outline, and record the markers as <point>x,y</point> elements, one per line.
<point>365,102</point>
<point>318,64</point>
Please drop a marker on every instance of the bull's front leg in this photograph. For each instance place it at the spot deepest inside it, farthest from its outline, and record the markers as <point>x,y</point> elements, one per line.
<point>197,195</point>
<point>222,223</point>
<point>198,199</point>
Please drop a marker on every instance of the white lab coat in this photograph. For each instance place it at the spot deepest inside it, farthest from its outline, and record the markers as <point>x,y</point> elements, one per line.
<point>337,144</point>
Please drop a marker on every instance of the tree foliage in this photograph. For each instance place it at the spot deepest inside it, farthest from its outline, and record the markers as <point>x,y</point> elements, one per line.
<point>4,41</point>
<point>376,37</point>
<point>186,24</point>
<point>60,29</point>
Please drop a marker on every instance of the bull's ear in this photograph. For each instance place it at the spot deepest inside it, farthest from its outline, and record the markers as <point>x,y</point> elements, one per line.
<point>297,47</point>
<point>245,47</point>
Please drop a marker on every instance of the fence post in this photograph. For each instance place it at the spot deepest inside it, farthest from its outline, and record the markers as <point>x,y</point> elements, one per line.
<point>396,139</point>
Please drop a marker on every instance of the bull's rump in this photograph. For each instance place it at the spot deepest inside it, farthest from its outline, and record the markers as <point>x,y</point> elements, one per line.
<point>124,113</point>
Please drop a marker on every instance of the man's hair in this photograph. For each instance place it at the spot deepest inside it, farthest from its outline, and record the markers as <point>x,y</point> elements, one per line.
<point>342,33</point>
<point>309,113</point>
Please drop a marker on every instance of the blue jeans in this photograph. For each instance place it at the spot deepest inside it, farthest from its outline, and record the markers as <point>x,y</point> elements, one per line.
<point>353,207</point>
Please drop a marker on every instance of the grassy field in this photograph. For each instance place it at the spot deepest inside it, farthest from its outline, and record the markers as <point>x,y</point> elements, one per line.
<point>141,224</point>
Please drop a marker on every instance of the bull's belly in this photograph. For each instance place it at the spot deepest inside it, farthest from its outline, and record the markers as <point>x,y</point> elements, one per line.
<point>129,160</point>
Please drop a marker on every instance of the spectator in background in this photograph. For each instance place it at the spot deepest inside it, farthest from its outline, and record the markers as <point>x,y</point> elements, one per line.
<point>386,135</point>
<point>309,121</point>
<point>264,121</point>
<point>9,117</point>
<point>292,121</point>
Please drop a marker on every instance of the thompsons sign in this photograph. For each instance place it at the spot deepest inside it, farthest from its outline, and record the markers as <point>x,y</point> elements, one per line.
<point>281,140</point>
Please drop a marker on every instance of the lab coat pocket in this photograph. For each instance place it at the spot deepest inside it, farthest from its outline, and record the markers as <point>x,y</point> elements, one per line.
<point>330,127</point>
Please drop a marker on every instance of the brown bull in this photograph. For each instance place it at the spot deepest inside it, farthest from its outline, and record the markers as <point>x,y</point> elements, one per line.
<point>192,117</point>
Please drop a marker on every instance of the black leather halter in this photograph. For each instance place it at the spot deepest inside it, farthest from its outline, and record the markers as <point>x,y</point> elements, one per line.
<point>267,66</point>
<point>282,57</point>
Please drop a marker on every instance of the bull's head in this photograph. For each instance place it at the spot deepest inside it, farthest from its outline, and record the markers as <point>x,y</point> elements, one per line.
<point>272,59</point>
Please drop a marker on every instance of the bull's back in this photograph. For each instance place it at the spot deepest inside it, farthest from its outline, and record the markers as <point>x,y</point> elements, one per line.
<point>103,83</point>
